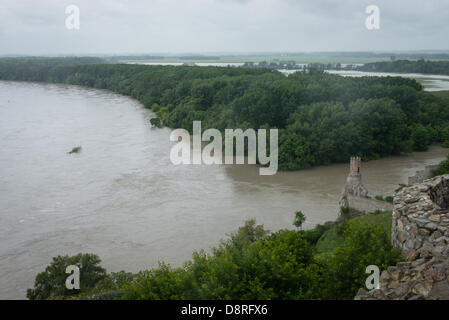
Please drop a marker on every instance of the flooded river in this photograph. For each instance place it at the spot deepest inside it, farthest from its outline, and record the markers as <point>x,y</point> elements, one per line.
<point>430,82</point>
<point>121,197</point>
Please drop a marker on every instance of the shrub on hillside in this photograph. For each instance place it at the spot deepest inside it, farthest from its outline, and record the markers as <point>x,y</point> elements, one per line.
<point>365,244</point>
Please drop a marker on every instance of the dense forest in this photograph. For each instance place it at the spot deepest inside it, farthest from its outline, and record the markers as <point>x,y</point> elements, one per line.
<point>322,118</point>
<point>49,62</point>
<point>406,66</point>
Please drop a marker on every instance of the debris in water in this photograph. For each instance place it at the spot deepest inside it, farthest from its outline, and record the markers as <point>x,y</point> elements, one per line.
<point>75,150</point>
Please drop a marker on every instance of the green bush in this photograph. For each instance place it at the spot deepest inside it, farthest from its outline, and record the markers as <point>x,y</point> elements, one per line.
<point>278,266</point>
<point>365,244</point>
<point>113,282</point>
<point>156,122</point>
<point>250,264</point>
<point>51,282</point>
<point>340,227</point>
<point>420,137</point>
<point>313,235</point>
<point>162,283</point>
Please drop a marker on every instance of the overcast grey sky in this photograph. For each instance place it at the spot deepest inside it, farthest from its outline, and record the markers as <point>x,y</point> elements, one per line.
<point>155,26</point>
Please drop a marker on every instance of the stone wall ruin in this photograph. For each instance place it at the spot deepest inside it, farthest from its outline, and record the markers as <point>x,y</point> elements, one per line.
<point>421,219</point>
<point>420,228</point>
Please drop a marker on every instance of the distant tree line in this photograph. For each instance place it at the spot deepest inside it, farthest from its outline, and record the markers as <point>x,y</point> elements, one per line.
<point>288,65</point>
<point>193,57</point>
<point>406,66</point>
<point>379,55</point>
<point>118,58</point>
<point>322,118</point>
<point>49,61</point>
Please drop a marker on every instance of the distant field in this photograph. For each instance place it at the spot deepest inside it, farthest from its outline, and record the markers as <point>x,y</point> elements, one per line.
<point>258,58</point>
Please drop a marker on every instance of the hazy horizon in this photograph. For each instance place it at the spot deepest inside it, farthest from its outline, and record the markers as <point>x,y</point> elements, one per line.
<point>221,26</point>
<point>224,53</point>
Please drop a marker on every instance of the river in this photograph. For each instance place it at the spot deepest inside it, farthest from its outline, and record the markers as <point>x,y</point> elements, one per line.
<point>121,197</point>
<point>430,82</point>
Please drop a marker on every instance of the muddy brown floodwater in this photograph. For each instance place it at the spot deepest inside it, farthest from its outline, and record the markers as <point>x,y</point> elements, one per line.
<point>121,197</point>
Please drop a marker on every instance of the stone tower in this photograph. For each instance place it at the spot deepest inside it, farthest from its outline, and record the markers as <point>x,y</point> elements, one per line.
<point>353,184</point>
<point>355,165</point>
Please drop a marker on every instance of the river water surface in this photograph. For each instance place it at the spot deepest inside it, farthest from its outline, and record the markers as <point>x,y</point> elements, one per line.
<point>121,197</point>
<point>430,82</point>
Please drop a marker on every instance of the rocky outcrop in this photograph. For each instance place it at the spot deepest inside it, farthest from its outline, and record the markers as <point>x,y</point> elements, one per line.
<point>420,229</point>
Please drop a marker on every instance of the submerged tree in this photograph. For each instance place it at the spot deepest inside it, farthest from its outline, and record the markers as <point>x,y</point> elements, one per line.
<point>300,218</point>
<point>156,122</point>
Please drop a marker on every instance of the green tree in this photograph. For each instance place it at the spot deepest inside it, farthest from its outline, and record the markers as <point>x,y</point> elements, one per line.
<point>420,137</point>
<point>300,218</point>
<point>156,122</point>
<point>114,282</point>
<point>443,168</point>
<point>250,232</point>
<point>162,283</point>
<point>249,265</point>
<point>445,136</point>
<point>294,152</point>
<point>51,282</point>
<point>381,126</point>
<point>365,244</point>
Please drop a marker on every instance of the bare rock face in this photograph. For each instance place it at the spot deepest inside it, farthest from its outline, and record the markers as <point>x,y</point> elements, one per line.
<point>421,230</point>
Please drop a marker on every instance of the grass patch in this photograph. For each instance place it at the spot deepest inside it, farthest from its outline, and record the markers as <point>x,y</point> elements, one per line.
<point>334,238</point>
<point>330,240</point>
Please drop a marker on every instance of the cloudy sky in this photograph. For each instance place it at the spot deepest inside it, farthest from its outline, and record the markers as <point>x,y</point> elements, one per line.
<point>206,26</point>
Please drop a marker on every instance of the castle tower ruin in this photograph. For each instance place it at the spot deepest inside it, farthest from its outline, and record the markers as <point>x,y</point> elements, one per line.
<point>353,184</point>
<point>355,165</point>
